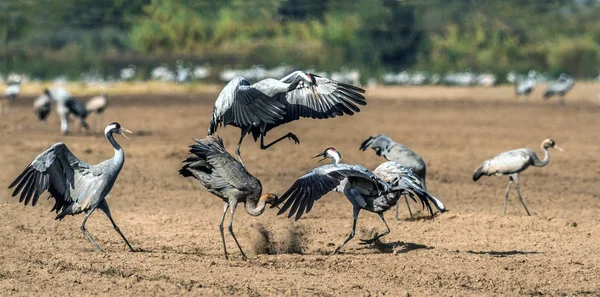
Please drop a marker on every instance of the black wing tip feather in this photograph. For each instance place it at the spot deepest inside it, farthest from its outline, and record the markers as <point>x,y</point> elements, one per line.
<point>365,144</point>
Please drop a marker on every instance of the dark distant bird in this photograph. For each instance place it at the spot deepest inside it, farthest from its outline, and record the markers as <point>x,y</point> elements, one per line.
<point>75,185</point>
<point>384,146</point>
<point>375,191</point>
<point>42,106</point>
<point>561,87</point>
<point>269,103</point>
<point>65,105</point>
<point>512,163</point>
<point>227,179</point>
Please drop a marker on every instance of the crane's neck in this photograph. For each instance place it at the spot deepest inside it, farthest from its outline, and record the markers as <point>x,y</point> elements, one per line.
<point>119,154</point>
<point>539,163</point>
<point>256,208</point>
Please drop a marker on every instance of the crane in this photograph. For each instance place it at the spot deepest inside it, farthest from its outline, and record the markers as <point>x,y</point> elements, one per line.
<point>375,191</point>
<point>13,88</point>
<point>65,105</point>
<point>97,105</point>
<point>42,107</point>
<point>512,163</point>
<point>524,87</point>
<point>223,176</point>
<point>77,187</point>
<point>385,146</point>
<point>561,87</point>
<point>269,103</point>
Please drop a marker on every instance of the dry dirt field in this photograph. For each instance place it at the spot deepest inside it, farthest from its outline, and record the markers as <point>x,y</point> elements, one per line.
<point>472,250</point>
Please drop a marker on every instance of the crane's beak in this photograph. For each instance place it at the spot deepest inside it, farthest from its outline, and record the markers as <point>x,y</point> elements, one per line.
<point>125,130</point>
<point>558,148</point>
<point>320,155</point>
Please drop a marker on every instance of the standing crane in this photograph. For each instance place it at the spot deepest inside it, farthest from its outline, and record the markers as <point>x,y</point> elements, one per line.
<point>97,105</point>
<point>384,146</point>
<point>223,176</point>
<point>42,106</point>
<point>524,87</point>
<point>269,103</point>
<point>375,191</point>
<point>512,163</point>
<point>561,87</point>
<point>13,88</point>
<point>65,105</point>
<point>75,185</point>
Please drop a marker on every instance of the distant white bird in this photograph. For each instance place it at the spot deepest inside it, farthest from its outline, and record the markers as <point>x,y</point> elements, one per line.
<point>42,107</point>
<point>97,105</point>
<point>561,87</point>
<point>13,89</point>
<point>512,163</point>
<point>375,191</point>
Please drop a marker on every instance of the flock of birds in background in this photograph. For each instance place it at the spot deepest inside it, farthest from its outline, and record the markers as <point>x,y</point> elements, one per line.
<point>78,187</point>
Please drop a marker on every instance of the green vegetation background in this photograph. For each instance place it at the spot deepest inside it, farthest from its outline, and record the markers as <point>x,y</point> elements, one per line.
<point>46,38</point>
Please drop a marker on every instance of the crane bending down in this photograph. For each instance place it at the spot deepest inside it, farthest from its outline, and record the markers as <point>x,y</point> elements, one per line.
<point>561,87</point>
<point>524,87</point>
<point>375,191</point>
<point>384,146</point>
<point>512,163</point>
<point>65,105</point>
<point>223,176</point>
<point>269,103</point>
<point>75,185</point>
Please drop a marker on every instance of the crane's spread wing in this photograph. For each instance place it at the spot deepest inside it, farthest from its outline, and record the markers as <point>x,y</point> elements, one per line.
<point>318,182</point>
<point>62,174</point>
<point>243,105</point>
<point>403,180</point>
<point>325,98</point>
<point>216,168</point>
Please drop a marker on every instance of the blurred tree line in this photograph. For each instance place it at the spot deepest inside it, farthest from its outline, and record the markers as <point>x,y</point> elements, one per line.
<point>46,38</point>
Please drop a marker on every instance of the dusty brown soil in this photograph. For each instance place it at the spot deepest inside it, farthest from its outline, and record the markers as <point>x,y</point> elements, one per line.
<point>472,250</point>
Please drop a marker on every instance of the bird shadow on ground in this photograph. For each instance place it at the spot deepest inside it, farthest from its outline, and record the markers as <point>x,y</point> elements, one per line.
<point>396,247</point>
<point>501,254</point>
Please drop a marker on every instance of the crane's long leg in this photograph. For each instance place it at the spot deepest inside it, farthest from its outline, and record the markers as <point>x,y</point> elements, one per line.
<point>104,207</point>
<point>356,211</point>
<point>245,131</point>
<point>289,135</point>
<point>230,228</point>
<point>225,207</point>
<point>387,231</point>
<point>519,194</point>
<point>510,180</point>
<point>89,237</point>
<point>408,206</point>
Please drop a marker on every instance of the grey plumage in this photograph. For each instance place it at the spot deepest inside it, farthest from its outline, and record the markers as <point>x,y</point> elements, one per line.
<point>561,87</point>
<point>386,147</point>
<point>512,163</point>
<point>13,88</point>
<point>374,191</point>
<point>269,103</point>
<point>75,185</point>
<point>223,176</point>
<point>524,87</point>
<point>97,105</point>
